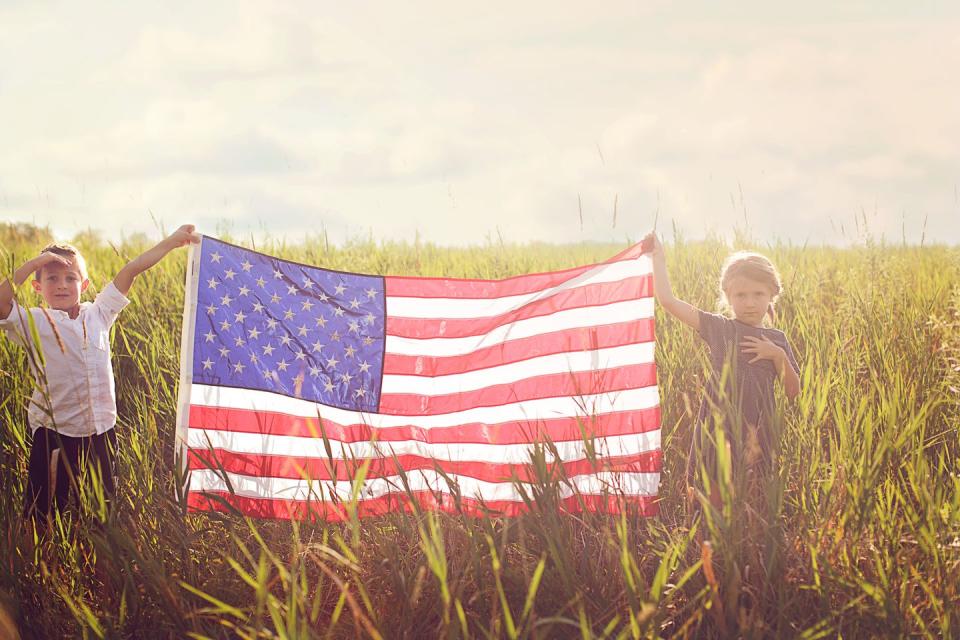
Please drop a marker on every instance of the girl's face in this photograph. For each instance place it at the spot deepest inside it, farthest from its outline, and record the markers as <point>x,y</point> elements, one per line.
<point>749,298</point>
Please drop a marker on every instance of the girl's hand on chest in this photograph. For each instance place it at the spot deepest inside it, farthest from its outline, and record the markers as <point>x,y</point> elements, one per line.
<point>762,348</point>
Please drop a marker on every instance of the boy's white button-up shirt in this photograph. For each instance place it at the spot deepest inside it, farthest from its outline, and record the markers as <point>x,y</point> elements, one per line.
<point>79,374</point>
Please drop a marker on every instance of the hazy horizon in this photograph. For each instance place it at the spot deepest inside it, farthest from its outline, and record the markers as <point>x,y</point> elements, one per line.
<point>856,235</point>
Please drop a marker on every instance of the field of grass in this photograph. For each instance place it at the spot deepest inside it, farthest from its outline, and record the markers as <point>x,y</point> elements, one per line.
<point>857,534</point>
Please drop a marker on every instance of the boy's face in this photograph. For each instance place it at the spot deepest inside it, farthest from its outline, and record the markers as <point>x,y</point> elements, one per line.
<point>60,285</point>
<point>749,299</point>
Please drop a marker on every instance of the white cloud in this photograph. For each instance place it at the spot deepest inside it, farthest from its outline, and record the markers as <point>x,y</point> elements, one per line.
<point>455,123</point>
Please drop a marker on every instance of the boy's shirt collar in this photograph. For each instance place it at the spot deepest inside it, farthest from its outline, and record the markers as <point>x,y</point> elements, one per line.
<point>60,312</point>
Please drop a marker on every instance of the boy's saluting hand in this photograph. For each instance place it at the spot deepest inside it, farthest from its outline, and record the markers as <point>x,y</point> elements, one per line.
<point>180,238</point>
<point>47,257</point>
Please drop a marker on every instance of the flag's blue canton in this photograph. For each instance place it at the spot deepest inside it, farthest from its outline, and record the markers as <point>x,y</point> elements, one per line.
<point>264,323</point>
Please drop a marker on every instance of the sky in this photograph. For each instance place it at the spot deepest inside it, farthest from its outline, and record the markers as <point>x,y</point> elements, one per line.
<point>813,122</point>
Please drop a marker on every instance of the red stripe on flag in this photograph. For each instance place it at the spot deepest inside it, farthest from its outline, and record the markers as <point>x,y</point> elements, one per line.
<point>303,468</point>
<point>514,432</point>
<point>579,339</point>
<point>304,510</point>
<point>592,295</point>
<point>555,385</point>
<point>420,287</point>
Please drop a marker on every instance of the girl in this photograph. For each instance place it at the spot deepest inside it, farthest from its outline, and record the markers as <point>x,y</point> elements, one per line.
<point>746,359</point>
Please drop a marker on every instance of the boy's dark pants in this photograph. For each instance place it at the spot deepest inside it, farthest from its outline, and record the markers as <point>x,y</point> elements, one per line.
<point>77,457</point>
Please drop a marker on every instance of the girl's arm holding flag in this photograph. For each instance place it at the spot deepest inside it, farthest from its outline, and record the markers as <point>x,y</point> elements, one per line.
<point>683,311</point>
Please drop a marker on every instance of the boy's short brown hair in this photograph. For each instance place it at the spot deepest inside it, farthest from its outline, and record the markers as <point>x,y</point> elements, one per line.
<point>67,251</point>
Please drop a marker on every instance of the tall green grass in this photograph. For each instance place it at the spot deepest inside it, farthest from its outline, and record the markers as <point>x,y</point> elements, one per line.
<point>855,534</point>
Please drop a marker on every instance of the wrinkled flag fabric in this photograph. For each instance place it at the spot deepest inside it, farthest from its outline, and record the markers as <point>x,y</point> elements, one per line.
<point>308,392</point>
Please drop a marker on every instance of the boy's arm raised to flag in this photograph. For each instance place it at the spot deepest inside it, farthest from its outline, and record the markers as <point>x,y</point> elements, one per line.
<point>180,238</point>
<point>20,276</point>
<point>683,311</point>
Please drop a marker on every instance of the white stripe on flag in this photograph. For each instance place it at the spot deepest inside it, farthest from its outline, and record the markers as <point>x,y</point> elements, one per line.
<point>526,411</point>
<point>585,317</point>
<point>412,307</point>
<point>595,360</point>
<point>276,445</point>
<point>635,484</point>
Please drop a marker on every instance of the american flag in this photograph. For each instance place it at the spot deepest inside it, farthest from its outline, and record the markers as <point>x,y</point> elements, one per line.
<point>304,390</point>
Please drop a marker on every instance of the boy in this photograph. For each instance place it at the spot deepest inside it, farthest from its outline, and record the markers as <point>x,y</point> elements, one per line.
<point>73,409</point>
